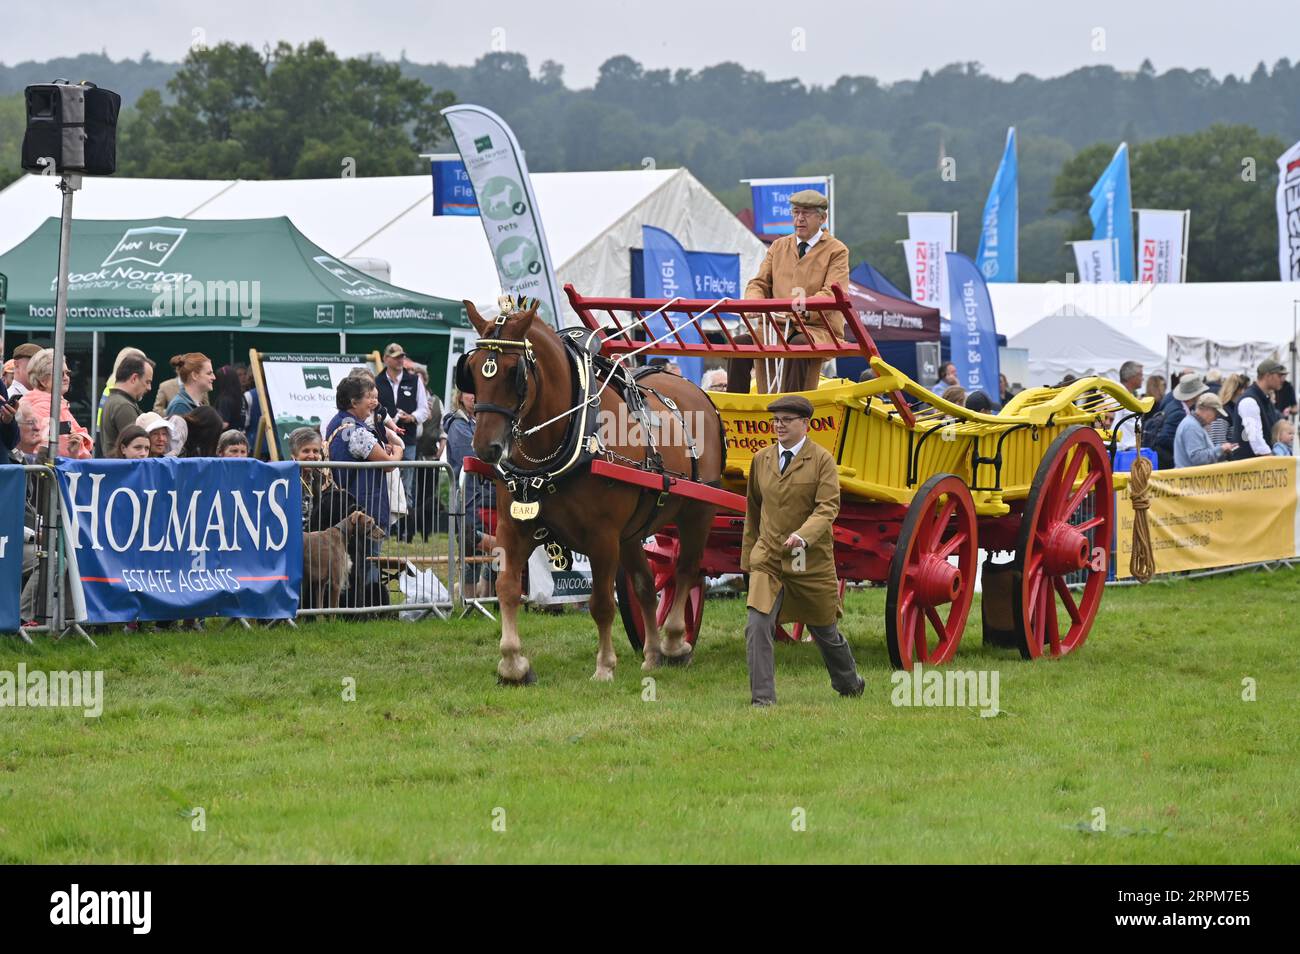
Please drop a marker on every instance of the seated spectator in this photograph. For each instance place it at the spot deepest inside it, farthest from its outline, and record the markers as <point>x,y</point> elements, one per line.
<point>1283,438</point>
<point>979,401</point>
<point>867,375</point>
<point>350,438</point>
<point>195,373</point>
<point>160,435</point>
<point>1192,447</point>
<point>30,428</point>
<point>132,443</point>
<point>120,406</point>
<point>1155,388</point>
<point>715,379</point>
<point>956,394</point>
<point>232,443</point>
<point>305,446</point>
<point>1173,409</point>
<point>74,440</point>
<point>195,434</point>
<point>228,398</point>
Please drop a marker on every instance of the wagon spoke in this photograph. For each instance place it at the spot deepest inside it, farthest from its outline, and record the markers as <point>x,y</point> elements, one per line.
<point>1071,474</point>
<point>1053,625</point>
<point>935,530</point>
<point>1073,503</point>
<point>941,630</point>
<point>1068,599</point>
<point>1089,524</point>
<point>951,546</point>
<point>921,647</point>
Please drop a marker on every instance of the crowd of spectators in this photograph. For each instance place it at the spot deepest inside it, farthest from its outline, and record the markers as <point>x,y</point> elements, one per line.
<point>201,411</point>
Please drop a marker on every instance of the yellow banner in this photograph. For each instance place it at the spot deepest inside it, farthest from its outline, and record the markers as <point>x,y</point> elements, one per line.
<point>748,432</point>
<point>1220,515</point>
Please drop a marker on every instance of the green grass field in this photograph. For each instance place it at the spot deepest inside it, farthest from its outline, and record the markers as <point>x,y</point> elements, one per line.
<point>1147,723</point>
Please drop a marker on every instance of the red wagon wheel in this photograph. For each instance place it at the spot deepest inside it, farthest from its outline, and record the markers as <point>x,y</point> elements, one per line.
<point>1066,528</point>
<point>662,556</point>
<point>940,524</point>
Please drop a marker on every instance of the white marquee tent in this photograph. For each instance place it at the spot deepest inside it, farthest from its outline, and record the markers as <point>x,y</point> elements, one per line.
<point>592,219</point>
<point>1071,342</point>
<point>1229,314</point>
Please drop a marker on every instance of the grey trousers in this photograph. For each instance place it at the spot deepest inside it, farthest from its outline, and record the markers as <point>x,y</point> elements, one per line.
<point>760,634</point>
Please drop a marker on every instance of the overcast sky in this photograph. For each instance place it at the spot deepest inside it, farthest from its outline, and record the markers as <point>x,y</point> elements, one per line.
<point>889,39</point>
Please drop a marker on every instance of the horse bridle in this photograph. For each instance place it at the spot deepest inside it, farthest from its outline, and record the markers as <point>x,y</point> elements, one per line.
<point>527,364</point>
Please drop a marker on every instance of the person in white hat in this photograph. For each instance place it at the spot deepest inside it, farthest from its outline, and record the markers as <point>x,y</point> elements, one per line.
<point>1175,407</point>
<point>160,435</point>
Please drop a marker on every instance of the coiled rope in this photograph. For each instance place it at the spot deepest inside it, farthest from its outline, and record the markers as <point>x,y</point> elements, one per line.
<point>1142,563</point>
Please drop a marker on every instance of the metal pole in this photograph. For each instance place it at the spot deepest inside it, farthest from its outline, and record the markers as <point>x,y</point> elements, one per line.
<point>343,342</point>
<point>94,383</point>
<point>68,184</point>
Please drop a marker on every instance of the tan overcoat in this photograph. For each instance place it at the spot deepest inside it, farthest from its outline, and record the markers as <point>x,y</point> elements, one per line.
<point>804,500</point>
<point>783,271</point>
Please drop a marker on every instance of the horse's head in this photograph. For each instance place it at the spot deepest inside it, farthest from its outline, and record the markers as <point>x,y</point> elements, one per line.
<point>500,372</point>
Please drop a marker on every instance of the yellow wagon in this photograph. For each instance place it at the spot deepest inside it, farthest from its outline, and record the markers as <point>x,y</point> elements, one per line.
<point>925,484</point>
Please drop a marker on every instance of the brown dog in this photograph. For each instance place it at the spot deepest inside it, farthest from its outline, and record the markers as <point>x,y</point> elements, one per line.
<point>326,565</point>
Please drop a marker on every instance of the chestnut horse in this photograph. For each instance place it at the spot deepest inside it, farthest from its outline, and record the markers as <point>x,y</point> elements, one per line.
<point>522,378</point>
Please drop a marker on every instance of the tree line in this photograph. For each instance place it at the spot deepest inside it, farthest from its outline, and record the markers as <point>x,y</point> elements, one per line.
<point>1197,142</point>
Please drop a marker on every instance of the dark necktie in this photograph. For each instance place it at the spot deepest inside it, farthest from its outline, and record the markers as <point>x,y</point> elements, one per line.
<point>786,457</point>
<point>803,249</point>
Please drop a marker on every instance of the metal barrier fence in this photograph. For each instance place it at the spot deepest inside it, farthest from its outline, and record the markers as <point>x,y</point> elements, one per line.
<point>475,542</point>
<point>363,553</point>
<point>36,609</point>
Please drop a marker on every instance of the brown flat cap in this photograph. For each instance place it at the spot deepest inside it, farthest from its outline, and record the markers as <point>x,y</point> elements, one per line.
<point>809,199</point>
<point>794,404</point>
<point>26,350</point>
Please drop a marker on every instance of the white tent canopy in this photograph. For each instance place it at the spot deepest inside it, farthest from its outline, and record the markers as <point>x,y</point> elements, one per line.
<point>1224,312</point>
<point>1071,342</point>
<point>592,219</point>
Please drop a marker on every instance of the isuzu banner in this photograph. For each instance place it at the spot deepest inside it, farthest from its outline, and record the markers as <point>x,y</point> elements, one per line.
<point>1288,214</point>
<point>930,236</point>
<point>167,538</point>
<point>507,206</point>
<point>1161,245</point>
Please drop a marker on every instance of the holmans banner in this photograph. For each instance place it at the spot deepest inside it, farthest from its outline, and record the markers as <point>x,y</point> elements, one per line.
<point>167,538</point>
<point>13,489</point>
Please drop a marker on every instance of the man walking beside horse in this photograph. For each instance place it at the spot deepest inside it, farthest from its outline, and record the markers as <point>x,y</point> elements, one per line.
<point>806,262</point>
<point>789,552</point>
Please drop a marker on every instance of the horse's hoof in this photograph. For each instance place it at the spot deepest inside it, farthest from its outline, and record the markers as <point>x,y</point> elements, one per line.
<point>529,678</point>
<point>679,662</point>
<point>652,662</point>
<point>605,676</point>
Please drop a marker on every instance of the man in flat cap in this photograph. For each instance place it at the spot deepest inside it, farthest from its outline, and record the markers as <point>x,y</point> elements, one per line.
<point>788,551</point>
<point>807,261</point>
<point>1257,412</point>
